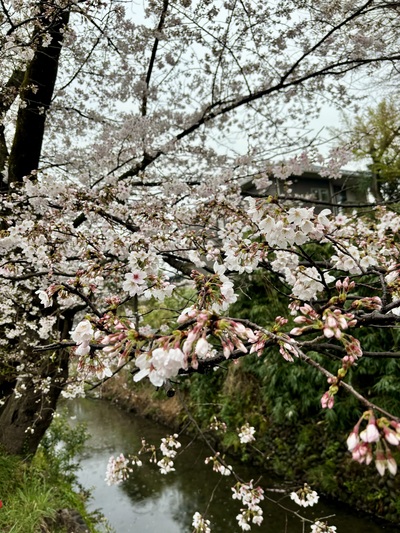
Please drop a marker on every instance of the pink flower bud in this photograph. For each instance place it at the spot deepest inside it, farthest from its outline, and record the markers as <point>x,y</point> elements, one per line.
<point>357,453</point>
<point>338,333</point>
<point>391,437</point>
<point>371,433</point>
<point>368,456</point>
<point>240,346</point>
<point>251,335</point>
<point>352,441</point>
<point>395,425</point>
<point>187,314</point>
<point>327,401</point>
<point>329,333</point>
<point>300,319</point>
<point>331,321</point>
<point>111,349</point>
<point>238,328</point>
<point>202,347</point>
<point>227,350</point>
<point>380,462</point>
<point>391,463</point>
<point>187,345</point>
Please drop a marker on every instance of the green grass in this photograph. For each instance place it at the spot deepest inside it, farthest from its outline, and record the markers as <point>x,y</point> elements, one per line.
<point>34,492</point>
<point>33,507</point>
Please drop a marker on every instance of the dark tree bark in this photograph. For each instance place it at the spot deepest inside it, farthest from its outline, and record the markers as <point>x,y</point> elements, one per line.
<point>36,94</point>
<point>25,418</point>
<point>7,98</point>
<point>28,411</point>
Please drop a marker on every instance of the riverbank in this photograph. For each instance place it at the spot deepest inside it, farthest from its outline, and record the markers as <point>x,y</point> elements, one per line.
<point>298,452</point>
<point>41,495</point>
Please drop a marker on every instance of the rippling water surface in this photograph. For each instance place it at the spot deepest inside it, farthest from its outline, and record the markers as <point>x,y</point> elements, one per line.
<point>151,502</point>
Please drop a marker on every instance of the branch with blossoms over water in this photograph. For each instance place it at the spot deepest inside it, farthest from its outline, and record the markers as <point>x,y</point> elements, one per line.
<point>338,276</point>
<point>119,190</point>
<point>248,494</point>
<point>204,339</point>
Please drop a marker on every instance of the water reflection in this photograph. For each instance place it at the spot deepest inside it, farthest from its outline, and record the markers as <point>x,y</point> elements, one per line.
<point>150,502</point>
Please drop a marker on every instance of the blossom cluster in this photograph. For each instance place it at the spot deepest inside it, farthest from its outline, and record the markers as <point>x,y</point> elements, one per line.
<point>90,362</point>
<point>118,470</point>
<point>168,355</point>
<point>120,339</point>
<point>189,346</point>
<point>169,448</point>
<point>159,365</point>
<point>305,497</point>
<point>333,323</point>
<point>217,425</point>
<point>218,465</point>
<point>246,434</point>
<point>215,292</point>
<point>284,228</point>
<point>82,335</point>
<point>287,347</point>
<point>232,335</point>
<point>322,527</point>
<point>379,433</point>
<point>200,524</point>
<point>250,497</point>
<point>144,277</point>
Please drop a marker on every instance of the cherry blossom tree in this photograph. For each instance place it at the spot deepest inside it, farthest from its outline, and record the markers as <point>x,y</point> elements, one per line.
<point>374,136</point>
<point>127,144</point>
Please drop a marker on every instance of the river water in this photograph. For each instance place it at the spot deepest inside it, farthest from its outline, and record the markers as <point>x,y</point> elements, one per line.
<point>152,502</point>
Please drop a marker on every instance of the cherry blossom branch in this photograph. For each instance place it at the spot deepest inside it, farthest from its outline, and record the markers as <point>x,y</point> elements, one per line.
<point>345,385</point>
<point>118,220</point>
<point>54,346</point>
<point>153,56</point>
<point>87,300</point>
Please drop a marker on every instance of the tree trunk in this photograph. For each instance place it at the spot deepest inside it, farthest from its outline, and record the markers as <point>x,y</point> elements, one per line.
<point>28,412</point>
<point>36,94</point>
<point>7,99</point>
<point>31,398</point>
<point>375,188</point>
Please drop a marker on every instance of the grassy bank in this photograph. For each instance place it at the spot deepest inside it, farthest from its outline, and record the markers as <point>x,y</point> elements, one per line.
<point>40,496</point>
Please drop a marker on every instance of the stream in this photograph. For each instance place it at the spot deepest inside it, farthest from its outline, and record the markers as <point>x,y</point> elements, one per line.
<point>151,502</point>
